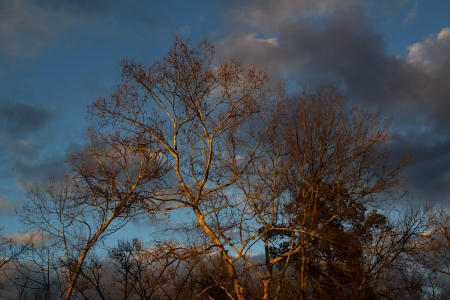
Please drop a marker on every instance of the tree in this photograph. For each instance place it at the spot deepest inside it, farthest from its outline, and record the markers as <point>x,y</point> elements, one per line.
<point>38,274</point>
<point>201,114</point>
<point>150,273</point>
<point>101,194</point>
<point>247,176</point>
<point>10,250</point>
<point>337,169</point>
<point>282,194</point>
<point>434,245</point>
<point>94,278</point>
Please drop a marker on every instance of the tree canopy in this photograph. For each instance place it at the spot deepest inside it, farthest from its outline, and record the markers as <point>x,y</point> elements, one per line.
<point>288,194</point>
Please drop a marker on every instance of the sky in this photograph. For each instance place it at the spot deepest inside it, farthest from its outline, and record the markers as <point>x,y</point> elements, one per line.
<point>58,56</point>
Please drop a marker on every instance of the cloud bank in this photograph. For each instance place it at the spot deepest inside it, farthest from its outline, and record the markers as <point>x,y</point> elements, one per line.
<point>328,42</point>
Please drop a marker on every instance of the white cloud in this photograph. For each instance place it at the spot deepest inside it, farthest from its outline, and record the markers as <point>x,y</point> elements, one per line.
<point>245,42</point>
<point>269,41</point>
<point>433,53</point>
<point>35,238</point>
<point>444,34</point>
<point>263,52</point>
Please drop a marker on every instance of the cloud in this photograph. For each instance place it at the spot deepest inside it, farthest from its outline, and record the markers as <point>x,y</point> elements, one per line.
<point>429,175</point>
<point>411,15</point>
<point>35,238</point>
<point>343,48</point>
<point>27,26</point>
<point>27,172</point>
<point>326,43</point>
<point>265,51</point>
<point>432,54</point>
<point>431,57</point>
<point>268,14</point>
<point>19,125</point>
<point>22,119</point>
<point>320,42</point>
<point>6,206</point>
<point>23,139</point>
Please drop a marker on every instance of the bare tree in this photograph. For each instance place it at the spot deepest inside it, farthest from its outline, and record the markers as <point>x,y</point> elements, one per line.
<point>250,164</point>
<point>99,197</point>
<point>94,278</point>
<point>36,274</point>
<point>433,251</point>
<point>282,194</point>
<point>337,169</point>
<point>426,269</point>
<point>203,116</point>
<point>10,250</point>
<point>164,271</point>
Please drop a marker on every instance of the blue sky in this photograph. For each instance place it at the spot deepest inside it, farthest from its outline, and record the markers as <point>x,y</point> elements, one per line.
<point>58,56</point>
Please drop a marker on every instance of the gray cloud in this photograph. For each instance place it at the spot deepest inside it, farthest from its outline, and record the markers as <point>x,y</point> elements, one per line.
<point>340,45</point>
<point>6,206</point>
<point>345,50</point>
<point>432,58</point>
<point>429,174</point>
<point>22,119</point>
<point>23,139</point>
<point>27,26</point>
<point>28,172</point>
<point>269,14</point>
<point>311,42</point>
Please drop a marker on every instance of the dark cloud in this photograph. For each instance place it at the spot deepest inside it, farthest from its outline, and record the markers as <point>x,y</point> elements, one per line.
<point>22,119</point>
<point>28,172</point>
<point>343,49</point>
<point>326,43</point>
<point>429,174</point>
<point>310,42</point>
<point>23,141</point>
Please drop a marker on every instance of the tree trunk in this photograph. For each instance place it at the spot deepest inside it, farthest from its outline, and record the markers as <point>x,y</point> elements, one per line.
<point>226,260</point>
<point>75,274</point>
<point>266,289</point>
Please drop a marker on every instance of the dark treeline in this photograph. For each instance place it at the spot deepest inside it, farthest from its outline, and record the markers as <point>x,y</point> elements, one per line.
<point>289,197</point>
